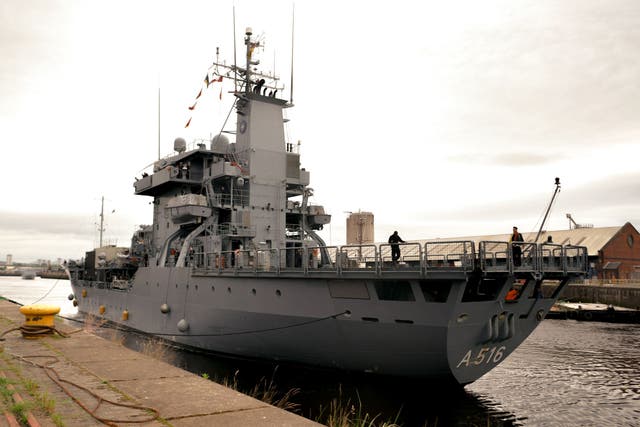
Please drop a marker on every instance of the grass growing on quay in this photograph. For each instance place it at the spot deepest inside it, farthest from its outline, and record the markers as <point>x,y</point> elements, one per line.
<point>344,413</point>
<point>40,402</point>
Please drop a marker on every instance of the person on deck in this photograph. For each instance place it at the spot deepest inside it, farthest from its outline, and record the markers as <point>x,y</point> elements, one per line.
<point>394,239</point>
<point>516,250</point>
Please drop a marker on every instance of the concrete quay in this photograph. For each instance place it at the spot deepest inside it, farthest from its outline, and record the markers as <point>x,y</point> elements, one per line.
<point>122,387</point>
<point>618,294</point>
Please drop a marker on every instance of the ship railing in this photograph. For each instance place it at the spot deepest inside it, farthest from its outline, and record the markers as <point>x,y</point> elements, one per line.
<point>292,259</point>
<point>503,256</point>
<point>552,258</point>
<point>529,257</point>
<point>237,260</point>
<point>238,198</point>
<point>219,261</point>
<point>308,260</point>
<point>358,258</point>
<point>410,261</point>
<point>450,255</point>
<point>576,259</point>
<point>181,174</point>
<point>494,256</point>
<point>267,260</point>
<point>329,257</point>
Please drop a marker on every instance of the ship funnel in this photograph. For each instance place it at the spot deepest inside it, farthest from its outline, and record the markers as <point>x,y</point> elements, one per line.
<point>180,145</point>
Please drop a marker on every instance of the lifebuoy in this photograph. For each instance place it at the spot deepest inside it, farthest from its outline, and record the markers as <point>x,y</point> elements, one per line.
<point>587,315</point>
<point>512,295</point>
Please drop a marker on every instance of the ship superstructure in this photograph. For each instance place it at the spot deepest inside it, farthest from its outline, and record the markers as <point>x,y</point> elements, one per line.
<point>232,264</point>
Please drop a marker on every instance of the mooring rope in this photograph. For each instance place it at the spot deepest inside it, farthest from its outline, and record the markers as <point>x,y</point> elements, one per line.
<point>251,331</point>
<point>31,331</point>
<point>56,378</point>
<point>45,295</point>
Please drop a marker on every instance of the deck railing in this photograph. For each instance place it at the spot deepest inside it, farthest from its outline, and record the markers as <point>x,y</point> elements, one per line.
<point>415,259</point>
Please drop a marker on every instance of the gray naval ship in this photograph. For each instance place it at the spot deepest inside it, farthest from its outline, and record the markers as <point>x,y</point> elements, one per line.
<point>233,265</point>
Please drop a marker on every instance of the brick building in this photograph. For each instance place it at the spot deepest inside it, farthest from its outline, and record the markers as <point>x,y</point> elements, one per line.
<point>619,258</point>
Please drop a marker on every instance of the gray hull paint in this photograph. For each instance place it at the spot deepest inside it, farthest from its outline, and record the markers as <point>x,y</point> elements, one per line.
<point>290,319</point>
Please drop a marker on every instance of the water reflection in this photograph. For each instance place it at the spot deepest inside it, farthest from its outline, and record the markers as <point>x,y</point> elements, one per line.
<point>571,373</point>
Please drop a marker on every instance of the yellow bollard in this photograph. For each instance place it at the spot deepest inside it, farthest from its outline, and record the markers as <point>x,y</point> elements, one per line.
<point>39,318</point>
<point>102,309</point>
<point>125,315</point>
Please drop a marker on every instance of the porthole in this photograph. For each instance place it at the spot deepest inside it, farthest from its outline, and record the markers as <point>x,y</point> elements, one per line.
<point>278,293</point>
<point>253,291</point>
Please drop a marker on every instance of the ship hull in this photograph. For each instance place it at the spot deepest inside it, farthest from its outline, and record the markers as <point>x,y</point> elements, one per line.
<point>322,322</point>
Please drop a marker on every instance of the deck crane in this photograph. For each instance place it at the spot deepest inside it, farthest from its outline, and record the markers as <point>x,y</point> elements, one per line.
<point>555,192</point>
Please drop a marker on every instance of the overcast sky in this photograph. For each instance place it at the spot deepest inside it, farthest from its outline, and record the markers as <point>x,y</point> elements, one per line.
<point>444,119</point>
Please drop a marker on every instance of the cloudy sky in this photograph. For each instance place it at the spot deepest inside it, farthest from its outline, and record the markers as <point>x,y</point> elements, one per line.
<point>444,119</point>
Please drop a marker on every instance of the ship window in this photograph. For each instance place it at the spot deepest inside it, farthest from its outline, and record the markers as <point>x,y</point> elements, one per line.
<point>435,290</point>
<point>482,289</point>
<point>394,290</point>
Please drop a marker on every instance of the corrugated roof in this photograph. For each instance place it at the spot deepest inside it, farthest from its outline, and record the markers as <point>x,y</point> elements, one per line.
<point>593,238</point>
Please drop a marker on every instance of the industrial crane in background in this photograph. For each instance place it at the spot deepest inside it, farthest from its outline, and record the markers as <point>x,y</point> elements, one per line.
<point>574,225</point>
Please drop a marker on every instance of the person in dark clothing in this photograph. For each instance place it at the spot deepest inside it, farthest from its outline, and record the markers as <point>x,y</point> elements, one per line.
<point>394,239</point>
<point>516,250</point>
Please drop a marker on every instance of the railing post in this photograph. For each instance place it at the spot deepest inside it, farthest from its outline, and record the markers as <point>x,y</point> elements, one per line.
<point>423,262</point>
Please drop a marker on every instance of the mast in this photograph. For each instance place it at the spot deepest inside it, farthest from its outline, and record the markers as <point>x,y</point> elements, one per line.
<point>250,46</point>
<point>293,22</point>
<point>548,209</point>
<point>235,64</point>
<point>101,220</point>
<point>158,122</point>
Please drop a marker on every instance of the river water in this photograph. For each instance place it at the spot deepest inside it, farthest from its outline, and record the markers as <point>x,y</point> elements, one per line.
<point>567,373</point>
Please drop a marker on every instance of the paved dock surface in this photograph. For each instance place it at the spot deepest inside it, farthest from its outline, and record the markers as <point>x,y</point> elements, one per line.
<point>121,386</point>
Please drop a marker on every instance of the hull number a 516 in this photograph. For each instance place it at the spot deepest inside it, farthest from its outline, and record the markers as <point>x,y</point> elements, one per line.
<point>485,355</point>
